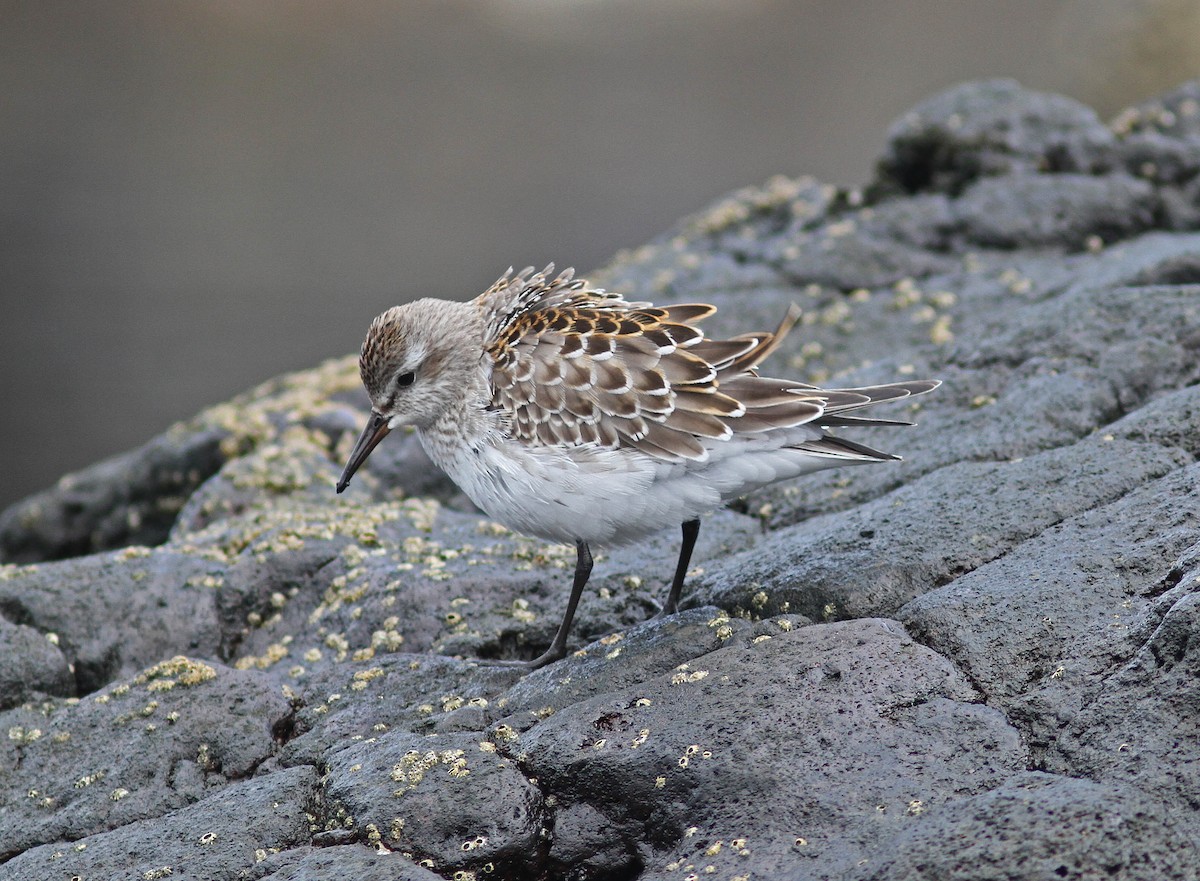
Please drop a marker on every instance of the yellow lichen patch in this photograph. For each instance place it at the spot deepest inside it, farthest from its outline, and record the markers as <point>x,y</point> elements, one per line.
<point>22,735</point>
<point>520,611</point>
<point>339,644</point>
<point>682,674</point>
<point>297,397</point>
<point>275,653</point>
<point>721,624</point>
<point>179,670</point>
<point>905,294</point>
<point>421,512</point>
<point>1015,282</point>
<point>211,582</point>
<point>362,678</point>
<point>940,333</point>
<point>531,552</point>
<point>777,193</point>
<point>413,767</point>
<point>287,466</point>
<point>88,779</point>
<point>388,639</point>
<point>283,529</point>
<point>492,528</point>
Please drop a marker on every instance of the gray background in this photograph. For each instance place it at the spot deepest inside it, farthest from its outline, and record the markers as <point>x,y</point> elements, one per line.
<point>197,196</point>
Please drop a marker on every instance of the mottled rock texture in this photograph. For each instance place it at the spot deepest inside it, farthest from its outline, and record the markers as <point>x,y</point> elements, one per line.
<point>981,662</point>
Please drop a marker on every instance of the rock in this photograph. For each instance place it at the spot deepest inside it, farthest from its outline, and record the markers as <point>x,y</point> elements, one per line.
<point>33,665</point>
<point>988,129</point>
<point>348,861</point>
<point>875,558</point>
<point>1139,728</point>
<point>84,607</point>
<point>811,746</point>
<point>131,499</point>
<point>977,662</point>
<point>1032,210</point>
<point>134,751</point>
<point>1069,828</point>
<point>453,800</point>
<point>217,837</point>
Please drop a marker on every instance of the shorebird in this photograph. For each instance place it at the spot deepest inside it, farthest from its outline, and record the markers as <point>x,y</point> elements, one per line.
<point>568,414</point>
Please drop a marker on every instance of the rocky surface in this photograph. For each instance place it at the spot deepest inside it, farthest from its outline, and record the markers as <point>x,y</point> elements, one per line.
<point>981,662</point>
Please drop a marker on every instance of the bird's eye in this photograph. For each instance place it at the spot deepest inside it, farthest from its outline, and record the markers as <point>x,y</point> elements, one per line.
<point>406,379</point>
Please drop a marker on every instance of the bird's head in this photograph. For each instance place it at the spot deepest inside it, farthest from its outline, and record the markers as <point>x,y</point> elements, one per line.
<point>416,362</point>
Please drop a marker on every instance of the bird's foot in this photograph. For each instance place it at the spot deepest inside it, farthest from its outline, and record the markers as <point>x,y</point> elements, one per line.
<point>552,654</point>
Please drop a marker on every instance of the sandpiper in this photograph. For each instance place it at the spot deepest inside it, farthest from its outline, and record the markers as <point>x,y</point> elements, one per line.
<point>567,413</point>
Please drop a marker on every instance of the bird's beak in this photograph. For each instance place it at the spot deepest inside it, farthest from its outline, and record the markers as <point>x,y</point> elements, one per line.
<point>377,429</point>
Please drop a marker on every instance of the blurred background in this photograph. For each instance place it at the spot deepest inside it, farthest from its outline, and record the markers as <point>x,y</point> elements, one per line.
<point>196,196</point>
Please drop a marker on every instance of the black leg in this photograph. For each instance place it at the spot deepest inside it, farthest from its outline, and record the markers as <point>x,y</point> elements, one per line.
<point>558,648</point>
<point>691,529</point>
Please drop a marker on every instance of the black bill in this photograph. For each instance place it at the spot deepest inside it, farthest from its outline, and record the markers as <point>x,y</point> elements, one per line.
<point>377,429</point>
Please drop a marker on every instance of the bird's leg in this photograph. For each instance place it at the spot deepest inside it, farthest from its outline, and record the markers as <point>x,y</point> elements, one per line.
<point>691,529</point>
<point>558,647</point>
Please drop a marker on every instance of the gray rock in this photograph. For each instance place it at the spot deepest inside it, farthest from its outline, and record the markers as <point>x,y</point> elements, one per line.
<point>977,662</point>
<point>873,559</point>
<point>86,607</point>
<point>1048,598</point>
<point>989,129</point>
<point>1036,210</point>
<point>1140,726</point>
<point>220,836</point>
<point>133,751</point>
<point>347,861</point>
<point>127,500</point>
<point>451,800</point>
<point>34,667</point>
<point>1067,828</point>
<point>813,746</point>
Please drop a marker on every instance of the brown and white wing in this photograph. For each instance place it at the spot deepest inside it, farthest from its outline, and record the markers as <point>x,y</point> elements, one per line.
<point>643,377</point>
<point>512,296</point>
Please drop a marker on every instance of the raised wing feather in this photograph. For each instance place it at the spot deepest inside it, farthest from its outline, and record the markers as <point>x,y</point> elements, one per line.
<point>574,364</point>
